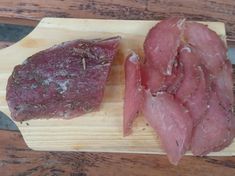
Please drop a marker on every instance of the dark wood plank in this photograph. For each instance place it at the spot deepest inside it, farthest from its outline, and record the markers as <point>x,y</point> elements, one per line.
<point>17,159</point>
<point>18,21</point>
<point>212,10</point>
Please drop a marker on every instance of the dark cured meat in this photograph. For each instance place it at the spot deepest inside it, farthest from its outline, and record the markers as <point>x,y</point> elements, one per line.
<point>66,80</point>
<point>161,44</point>
<point>172,122</point>
<point>133,92</point>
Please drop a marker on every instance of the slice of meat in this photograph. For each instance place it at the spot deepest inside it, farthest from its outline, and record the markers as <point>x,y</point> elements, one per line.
<point>216,131</point>
<point>133,92</point>
<point>207,44</point>
<point>171,121</point>
<point>194,90</point>
<point>198,102</point>
<point>151,78</point>
<point>161,44</point>
<point>211,50</point>
<point>191,65</point>
<point>173,82</point>
<point>187,82</point>
<point>66,80</point>
<point>224,85</point>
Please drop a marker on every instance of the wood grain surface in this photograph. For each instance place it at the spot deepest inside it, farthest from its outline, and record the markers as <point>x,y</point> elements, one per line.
<point>201,10</point>
<point>99,131</point>
<point>16,159</point>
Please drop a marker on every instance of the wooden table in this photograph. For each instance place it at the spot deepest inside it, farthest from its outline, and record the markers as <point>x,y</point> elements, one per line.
<point>17,159</point>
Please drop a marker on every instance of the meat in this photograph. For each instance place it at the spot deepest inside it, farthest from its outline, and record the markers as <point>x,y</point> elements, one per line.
<point>187,88</point>
<point>133,92</point>
<point>66,80</point>
<point>192,70</point>
<point>171,121</point>
<point>161,49</point>
<point>224,85</point>
<point>155,81</point>
<point>151,78</point>
<point>206,44</point>
<point>173,82</point>
<point>161,44</point>
<point>215,132</point>
<point>212,52</point>
<point>194,89</point>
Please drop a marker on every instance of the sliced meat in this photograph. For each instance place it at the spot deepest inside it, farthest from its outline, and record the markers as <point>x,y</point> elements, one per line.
<point>161,44</point>
<point>133,92</point>
<point>211,50</point>
<point>171,121</point>
<point>66,80</point>
<point>198,102</point>
<point>194,90</point>
<point>216,131</point>
<point>173,82</point>
<point>224,85</point>
<point>207,44</point>
<point>191,65</point>
<point>151,78</point>
<point>187,82</point>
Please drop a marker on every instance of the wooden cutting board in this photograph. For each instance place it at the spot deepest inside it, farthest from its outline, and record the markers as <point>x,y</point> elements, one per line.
<point>98,131</point>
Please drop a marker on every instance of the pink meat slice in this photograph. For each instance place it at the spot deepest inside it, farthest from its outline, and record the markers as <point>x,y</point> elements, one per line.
<point>65,81</point>
<point>151,78</point>
<point>224,85</point>
<point>161,44</point>
<point>194,90</point>
<point>133,92</point>
<point>171,121</point>
<point>173,82</point>
<point>207,44</point>
<point>191,65</point>
<point>212,52</point>
<point>187,82</point>
<point>216,131</point>
<point>155,81</point>
<point>198,102</point>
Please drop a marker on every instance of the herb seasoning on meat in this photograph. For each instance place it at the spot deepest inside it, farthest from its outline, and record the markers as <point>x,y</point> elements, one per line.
<point>66,80</point>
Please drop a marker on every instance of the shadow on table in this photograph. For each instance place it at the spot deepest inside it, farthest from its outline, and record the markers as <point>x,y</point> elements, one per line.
<point>13,33</point>
<point>6,123</point>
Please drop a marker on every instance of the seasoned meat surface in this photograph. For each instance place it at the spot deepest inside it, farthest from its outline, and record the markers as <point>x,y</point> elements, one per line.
<point>66,80</point>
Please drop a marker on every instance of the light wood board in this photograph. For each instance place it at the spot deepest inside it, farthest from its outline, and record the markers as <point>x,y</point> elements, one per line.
<point>97,131</point>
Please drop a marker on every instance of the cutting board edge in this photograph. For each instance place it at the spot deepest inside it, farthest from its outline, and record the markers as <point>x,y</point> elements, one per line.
<point>51,20</point>
<point>189,153</point>
<point>35,30</point>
